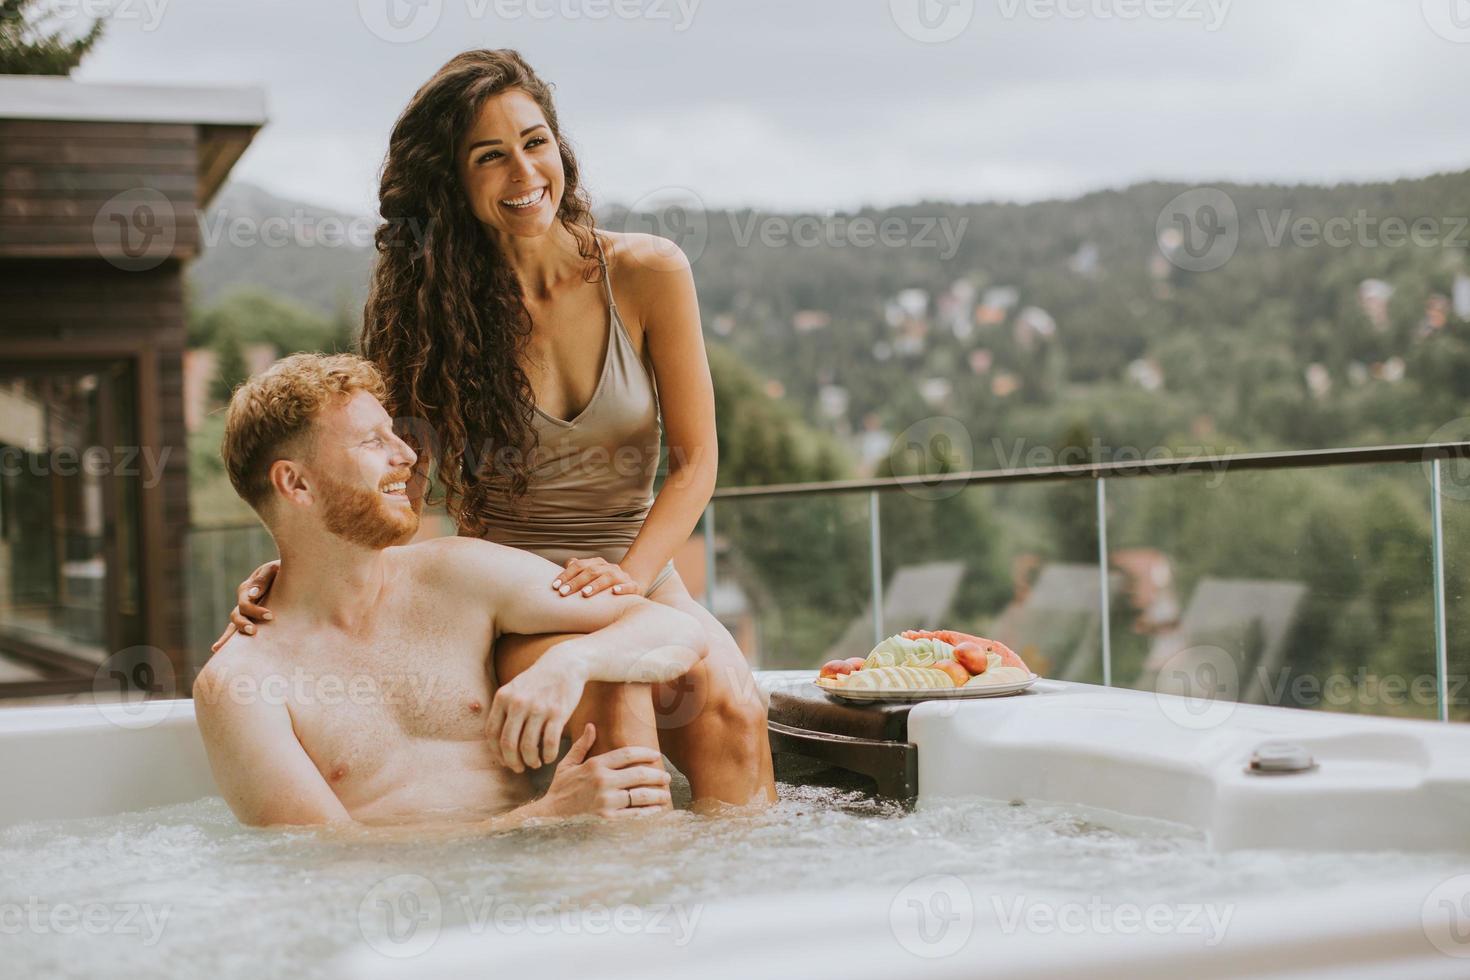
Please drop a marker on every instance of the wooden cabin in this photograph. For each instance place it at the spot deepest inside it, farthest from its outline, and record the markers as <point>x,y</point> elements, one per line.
<point>101,188</point>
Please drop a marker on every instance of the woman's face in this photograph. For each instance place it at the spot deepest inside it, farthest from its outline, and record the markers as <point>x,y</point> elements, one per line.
<point>510,167</point>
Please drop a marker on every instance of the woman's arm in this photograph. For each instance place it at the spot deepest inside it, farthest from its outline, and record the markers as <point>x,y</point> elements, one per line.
<point>663,292</point>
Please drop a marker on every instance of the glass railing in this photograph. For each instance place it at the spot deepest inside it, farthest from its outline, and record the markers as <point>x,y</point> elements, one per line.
<point>1333,579</point>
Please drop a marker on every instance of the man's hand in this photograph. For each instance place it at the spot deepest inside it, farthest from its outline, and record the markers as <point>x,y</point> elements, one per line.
<point>625,782</point>
<point>528,714</point>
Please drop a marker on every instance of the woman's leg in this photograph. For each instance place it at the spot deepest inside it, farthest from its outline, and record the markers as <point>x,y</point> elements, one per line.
<point>623,713</point>
<point>712,721</point>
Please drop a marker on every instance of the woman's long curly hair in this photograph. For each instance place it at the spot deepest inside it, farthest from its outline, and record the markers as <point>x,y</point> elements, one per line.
<point>445,316</point>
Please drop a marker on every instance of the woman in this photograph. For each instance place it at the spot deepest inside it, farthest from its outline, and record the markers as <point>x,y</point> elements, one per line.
<point>542,354</point>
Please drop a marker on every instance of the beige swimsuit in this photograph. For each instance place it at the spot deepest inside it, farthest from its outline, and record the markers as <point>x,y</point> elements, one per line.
<point>591,481</point>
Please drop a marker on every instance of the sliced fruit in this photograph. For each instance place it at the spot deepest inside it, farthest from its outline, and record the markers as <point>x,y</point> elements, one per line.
<point>956,672</point>
<point>971,657</point>
<point>835,668</point>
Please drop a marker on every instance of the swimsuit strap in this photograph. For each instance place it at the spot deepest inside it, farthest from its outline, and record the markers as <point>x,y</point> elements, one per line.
<point>606,276</point>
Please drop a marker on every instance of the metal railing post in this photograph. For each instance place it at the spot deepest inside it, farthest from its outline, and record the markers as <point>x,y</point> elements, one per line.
<point>875,563</point>
<point>1441,636</point>
<point>1104,599</point>
<point>709,556</point>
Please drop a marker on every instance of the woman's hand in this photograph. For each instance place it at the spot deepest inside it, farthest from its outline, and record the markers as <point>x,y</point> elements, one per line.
<point>528,714</point>
<point>248,598</point>
<point>589,576</point>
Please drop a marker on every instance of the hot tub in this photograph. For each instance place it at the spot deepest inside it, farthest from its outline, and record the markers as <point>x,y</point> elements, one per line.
<point>1074,829</point>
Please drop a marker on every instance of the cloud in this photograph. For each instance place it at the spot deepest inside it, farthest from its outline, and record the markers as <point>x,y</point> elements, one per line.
<point>827,104</point>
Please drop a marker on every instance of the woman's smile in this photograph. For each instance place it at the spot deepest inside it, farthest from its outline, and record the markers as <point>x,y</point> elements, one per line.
<point>525,203</point>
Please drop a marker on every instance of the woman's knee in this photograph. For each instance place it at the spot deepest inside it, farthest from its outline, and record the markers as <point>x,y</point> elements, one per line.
<point>617,708</point>
<point>731,701</point>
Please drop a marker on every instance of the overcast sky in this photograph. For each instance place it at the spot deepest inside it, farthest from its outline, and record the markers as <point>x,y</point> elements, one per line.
<point>814,104</point>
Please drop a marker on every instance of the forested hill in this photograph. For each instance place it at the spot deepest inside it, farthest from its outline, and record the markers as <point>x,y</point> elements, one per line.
<point>1339,318</point>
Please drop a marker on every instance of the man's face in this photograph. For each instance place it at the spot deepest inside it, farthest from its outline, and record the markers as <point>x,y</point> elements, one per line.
<point>361,469</point>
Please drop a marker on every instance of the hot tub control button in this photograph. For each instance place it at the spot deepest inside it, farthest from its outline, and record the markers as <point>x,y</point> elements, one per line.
<point>1280,758</point>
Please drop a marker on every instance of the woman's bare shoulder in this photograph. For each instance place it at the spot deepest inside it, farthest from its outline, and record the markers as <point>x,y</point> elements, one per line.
<point>642,257</point>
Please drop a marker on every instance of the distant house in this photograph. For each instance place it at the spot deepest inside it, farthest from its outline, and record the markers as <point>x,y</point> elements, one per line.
<point>1373,297</point>
<point>100,191</point>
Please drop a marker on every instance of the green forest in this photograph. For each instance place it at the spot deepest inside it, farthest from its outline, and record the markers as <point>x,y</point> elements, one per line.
<point>999,335</point>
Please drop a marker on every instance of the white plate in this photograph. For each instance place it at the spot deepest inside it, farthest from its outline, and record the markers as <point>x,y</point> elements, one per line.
<point>933,693</point>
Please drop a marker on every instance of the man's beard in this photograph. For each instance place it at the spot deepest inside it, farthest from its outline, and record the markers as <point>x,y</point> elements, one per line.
<point>363,517</point>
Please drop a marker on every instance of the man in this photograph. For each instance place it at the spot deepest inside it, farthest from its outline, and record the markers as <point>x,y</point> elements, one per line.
<point>369,696</point>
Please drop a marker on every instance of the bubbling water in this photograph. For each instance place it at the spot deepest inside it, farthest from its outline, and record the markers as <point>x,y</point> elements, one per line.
<point>185,891</point>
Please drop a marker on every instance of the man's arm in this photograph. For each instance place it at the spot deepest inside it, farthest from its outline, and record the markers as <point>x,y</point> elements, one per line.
<point>259,765</point>
<point>627,639</point>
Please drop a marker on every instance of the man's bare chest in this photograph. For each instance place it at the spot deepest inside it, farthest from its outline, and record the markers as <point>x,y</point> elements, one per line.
<point>358,706</point>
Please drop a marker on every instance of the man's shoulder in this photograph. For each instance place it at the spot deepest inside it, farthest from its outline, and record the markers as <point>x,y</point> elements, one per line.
<point>242,659</point>
<point>440,561</point>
